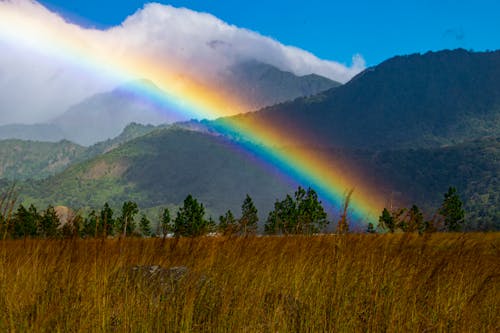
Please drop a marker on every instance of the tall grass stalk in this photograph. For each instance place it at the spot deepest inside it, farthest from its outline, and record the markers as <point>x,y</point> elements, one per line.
<point>352,283</point>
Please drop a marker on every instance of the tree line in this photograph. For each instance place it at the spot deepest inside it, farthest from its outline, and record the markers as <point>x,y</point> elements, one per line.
<point>302,213</point>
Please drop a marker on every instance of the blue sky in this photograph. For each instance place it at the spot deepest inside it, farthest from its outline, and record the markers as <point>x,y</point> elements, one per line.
<point>332,30</point>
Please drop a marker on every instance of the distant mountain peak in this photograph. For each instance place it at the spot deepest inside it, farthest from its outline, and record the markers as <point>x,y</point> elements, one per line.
<point>259,84</point>
<point>133,85</point>
<point>419,100</point>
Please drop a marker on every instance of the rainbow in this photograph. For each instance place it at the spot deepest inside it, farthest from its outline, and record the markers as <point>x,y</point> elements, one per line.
<point>67,43</point>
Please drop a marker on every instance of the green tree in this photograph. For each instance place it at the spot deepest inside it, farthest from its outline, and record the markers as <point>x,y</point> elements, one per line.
<point>392,220</point>
<point>370,229</point>
<point>125,222</point>
<point>249,219</point>
<point>166,223</point>
<point>49,223</point>
<point>303,213</point>
<point>90,227</point>
<point>228,224</point>
<point>211,225</point>
<point>26,222</point>
<point>282,219</point>
<point>386,221</point>
<point>415,220</point>
<point>311,216</point>
<point>106,221</point>
<point>145,226</point>
<point>190,220</point>
<point>452,211</point>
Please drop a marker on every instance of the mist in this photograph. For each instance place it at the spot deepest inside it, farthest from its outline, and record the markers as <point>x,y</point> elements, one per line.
<point>36,85</point>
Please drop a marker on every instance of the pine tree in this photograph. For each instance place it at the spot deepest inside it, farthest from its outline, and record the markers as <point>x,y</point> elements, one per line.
<point>166,223</point>
<point>126,223</point>
<point>107,223</point>
<point>228,224</point>
<point>386,221</point>
<point>415,220</point>
<point>190,220</point>
<point>25,222</point>
<point>90,225</point>
<point>283,219</point>
<point>370,229</point>
<point>49,223</point>
<point>452,211</point>
<point>311,216</point>
<point>249,219</point>
<point>145,226</point>
<point>303,213</point>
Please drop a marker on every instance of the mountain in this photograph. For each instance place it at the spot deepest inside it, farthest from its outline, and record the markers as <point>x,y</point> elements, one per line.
<point>429,100</point>
<point>103,116</point>
<point>21,159</point>
<point>423,175</point>
<point>36,160</point>
<point>130,132</point>
<point>411,126</point>
<point>258,85</point>
<point>36,132</point>
<point>162,168</point>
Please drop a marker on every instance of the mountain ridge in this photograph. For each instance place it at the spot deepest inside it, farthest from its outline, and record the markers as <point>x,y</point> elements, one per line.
<point>104,115</point>
<point>413,101</point>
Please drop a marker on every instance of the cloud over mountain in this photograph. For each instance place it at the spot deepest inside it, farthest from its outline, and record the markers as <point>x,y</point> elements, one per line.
<point>38,82</point>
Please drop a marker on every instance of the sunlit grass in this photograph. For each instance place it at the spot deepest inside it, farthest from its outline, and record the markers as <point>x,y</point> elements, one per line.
<point>352,283</point>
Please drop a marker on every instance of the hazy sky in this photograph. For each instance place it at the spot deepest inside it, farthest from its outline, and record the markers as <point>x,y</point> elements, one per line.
<point>331,29</point>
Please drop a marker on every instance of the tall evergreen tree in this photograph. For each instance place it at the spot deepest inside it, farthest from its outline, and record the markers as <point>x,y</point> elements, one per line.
<point>145,226</point>
<point>49,223</point>
<point>190,220</point>
<point>303,213</point>
<point>107,223</point>
<point>125,222</point>
<point>25,222</point>
<point>166,223</point>
<point>415,220</point>
<point>452,211</point>
<point>283,218</point>
<point>386,221</point>
<point>249,219</point>
<point>228,224</point>
<point>311,216</point>
<point>90,227</point>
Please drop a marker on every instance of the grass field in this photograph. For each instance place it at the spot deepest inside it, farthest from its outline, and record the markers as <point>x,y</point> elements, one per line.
<point>352,283</point>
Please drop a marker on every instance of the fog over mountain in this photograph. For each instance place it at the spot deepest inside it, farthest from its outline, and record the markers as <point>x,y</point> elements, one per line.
<point>104,115</point>
<point>40,82</point>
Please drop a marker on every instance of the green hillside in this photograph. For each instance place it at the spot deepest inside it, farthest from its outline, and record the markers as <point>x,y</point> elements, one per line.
<point>162,168</point>
<point>20,160</point>
<point>429,100</point>
<point>422,176</point>
<point>30,159</point>
<point>412,127</point>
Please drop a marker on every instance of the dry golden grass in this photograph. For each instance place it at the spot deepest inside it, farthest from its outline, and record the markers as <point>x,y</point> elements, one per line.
<point>352,283</point>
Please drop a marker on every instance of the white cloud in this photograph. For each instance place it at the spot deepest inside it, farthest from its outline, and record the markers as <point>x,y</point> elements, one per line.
<point>36,86</point>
